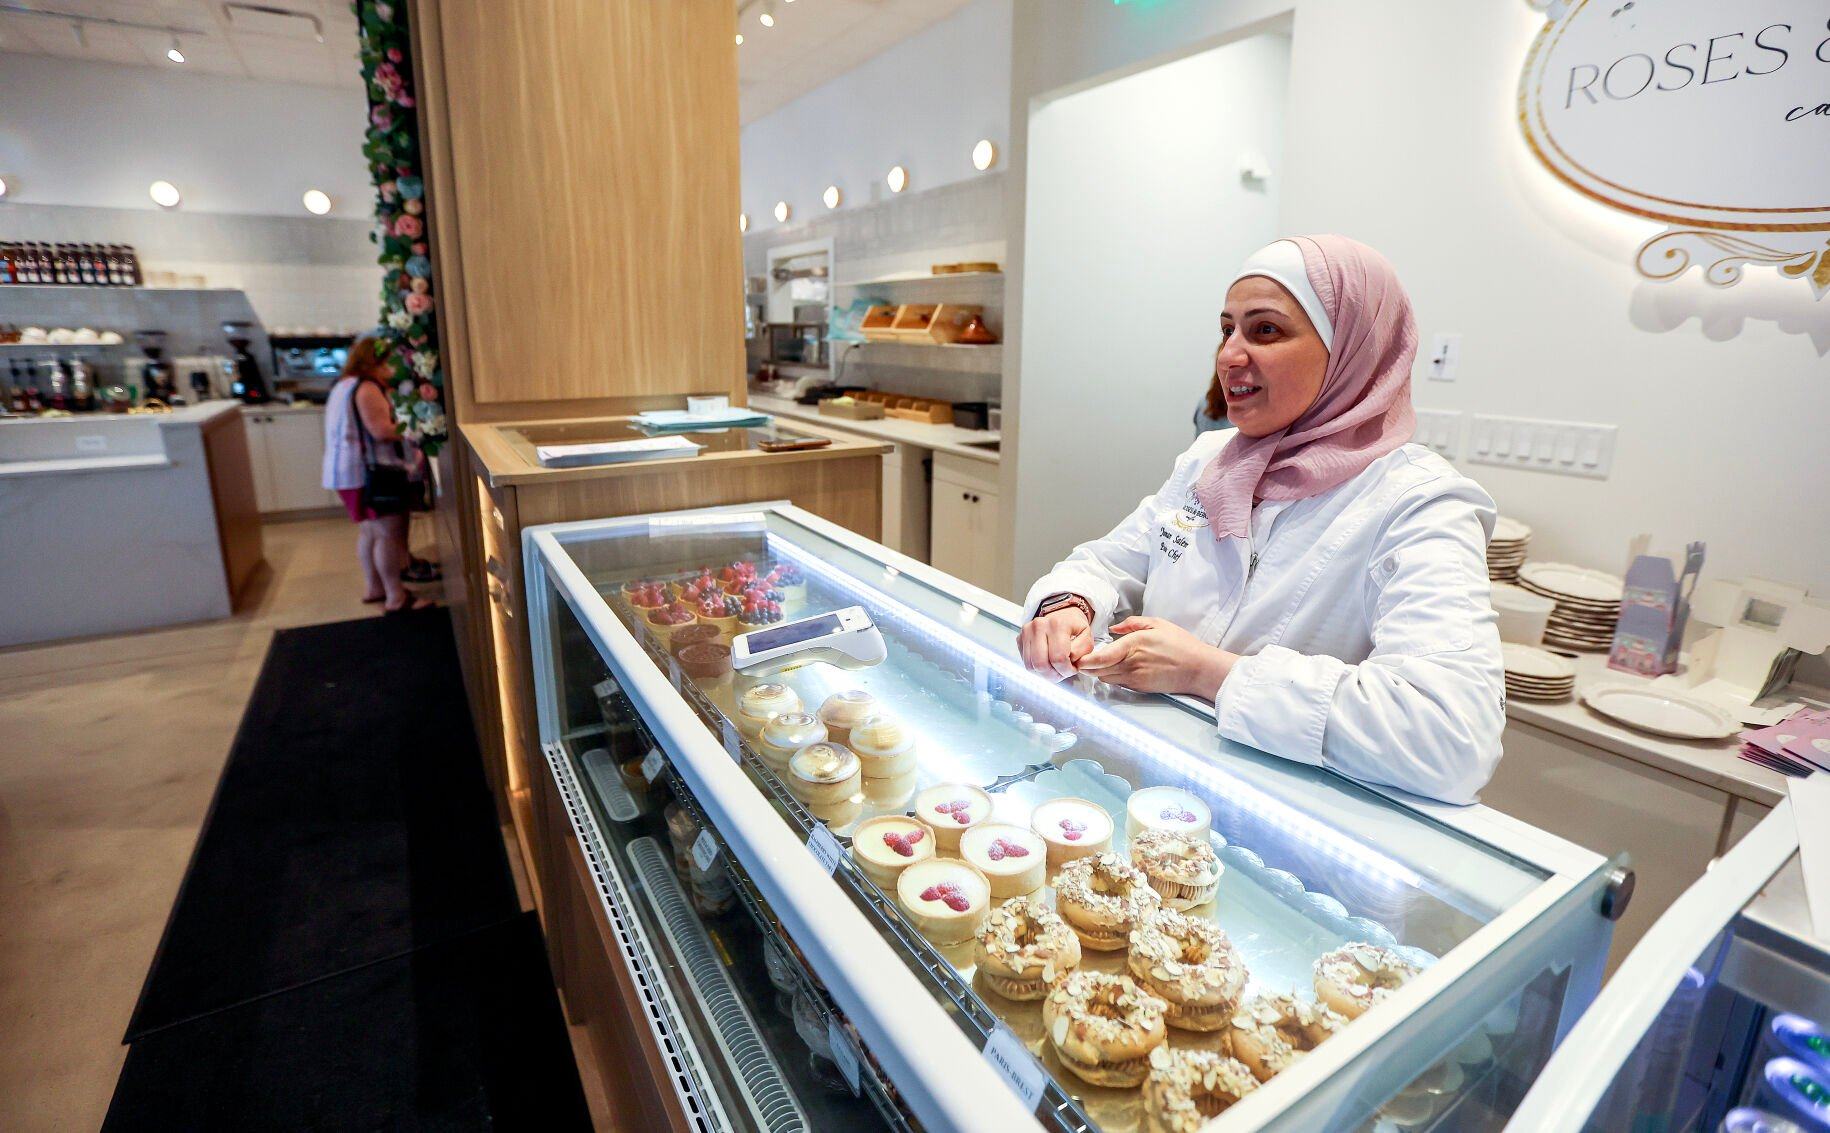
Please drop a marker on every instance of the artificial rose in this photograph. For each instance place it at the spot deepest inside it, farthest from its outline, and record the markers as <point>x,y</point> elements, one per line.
<point>428,391</point>
<point>412,188</point>
<point>409,226</point>
<point>419,267</point>
<point>394,55</point>
<point>415,207</point>
<point>405,388</point>
<point>382,116</point>
<point>389,191</point>
<point>419,304</point>
<point>419,249</point>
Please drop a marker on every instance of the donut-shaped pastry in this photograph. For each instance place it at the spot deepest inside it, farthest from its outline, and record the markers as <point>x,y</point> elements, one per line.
<point>1023,948</point>
<point>1191,965</point>
<point>1188,1087</point>
<point>1103,1026</point>
<point>1268,1032</point>
<point>1183,868</point>
<point>1103,899</point>
<point>1355,976</point>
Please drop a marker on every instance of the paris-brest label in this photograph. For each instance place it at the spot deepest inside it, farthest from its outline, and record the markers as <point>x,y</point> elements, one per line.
<point>1712,119</point>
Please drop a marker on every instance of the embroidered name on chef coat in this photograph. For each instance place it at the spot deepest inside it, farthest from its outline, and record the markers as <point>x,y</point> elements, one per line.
<point>1173,536</point>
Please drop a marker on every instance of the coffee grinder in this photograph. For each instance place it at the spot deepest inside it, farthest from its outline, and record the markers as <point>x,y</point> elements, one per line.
<point>246,382</point>
<point>156,381</point>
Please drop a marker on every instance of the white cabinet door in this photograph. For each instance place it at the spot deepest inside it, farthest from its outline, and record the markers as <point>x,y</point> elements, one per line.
<point>296,447</point>
<point>951,544</point>
<point>966,535</point>
<point>260,462</point>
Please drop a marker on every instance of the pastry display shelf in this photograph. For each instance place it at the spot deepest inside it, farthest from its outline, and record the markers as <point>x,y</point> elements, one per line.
<point>1312,860</point>
<point>919,277</point>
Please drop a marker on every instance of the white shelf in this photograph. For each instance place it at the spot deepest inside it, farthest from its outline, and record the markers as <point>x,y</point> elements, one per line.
<point>918,277</point>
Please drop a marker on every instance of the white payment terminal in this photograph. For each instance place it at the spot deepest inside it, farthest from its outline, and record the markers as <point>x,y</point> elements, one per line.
<point>846,638</point>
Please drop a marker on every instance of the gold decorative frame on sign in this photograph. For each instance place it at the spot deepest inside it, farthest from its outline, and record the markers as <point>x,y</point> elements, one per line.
<point>1795,241</point>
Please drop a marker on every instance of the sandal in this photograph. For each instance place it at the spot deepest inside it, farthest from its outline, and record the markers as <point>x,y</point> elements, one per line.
<point>421,570</point>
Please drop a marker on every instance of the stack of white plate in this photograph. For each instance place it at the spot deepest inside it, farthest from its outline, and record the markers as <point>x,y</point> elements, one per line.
<point>1535,674</point>
<point>1506,550</point>
<point>1587,604</point>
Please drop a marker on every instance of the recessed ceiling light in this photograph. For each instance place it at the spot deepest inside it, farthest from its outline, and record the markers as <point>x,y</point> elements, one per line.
<point>2,186</point>
<point>984,155</point>
<point>768,20</point>
<point>174,53</point>
<point>317,202</point>
<point>740,39</point>
<point>831,196</point>
<point>782,212</point>
<point>743,222</point>
<point>898,179</point>
<point>768,14</point>
<point>164,194</point>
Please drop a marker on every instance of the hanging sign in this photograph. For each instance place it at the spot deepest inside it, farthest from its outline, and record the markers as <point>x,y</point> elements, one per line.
<point>1711,118</point>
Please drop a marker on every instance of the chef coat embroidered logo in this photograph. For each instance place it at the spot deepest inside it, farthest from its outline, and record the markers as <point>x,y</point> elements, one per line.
<point>1192,517</point>
<point>1171,541</point>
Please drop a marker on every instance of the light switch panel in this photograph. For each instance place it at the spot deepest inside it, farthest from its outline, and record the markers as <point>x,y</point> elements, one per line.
<point>1568,448</point>
<point>1439,430</point>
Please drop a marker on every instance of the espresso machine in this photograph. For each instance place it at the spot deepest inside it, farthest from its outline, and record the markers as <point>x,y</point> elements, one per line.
<point>156,380</point>
<point>247,383</point>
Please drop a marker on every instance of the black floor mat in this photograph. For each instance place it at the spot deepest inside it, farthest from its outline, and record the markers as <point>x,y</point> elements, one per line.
<point>352,823</point>
<point>464,1034</point>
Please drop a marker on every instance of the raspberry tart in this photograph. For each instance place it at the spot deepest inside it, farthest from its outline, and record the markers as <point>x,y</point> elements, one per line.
<point>720,612</point>
<point>884,846</point>
<point>1073,828</point>
<point>952,809</point>
<point>1166,808</point>
<point>945,900</point>
<point>1015,860</point>
<point>665,619</point>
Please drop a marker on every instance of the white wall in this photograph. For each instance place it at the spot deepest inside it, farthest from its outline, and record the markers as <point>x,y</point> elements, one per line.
<point>97,134</point>
<point>1137,214</point>
<point>921,104</point>
<point>1402,132</point>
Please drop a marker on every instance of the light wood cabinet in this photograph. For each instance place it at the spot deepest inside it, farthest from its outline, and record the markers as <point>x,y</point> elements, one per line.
<point>286,455</point>
<point>966,536</point>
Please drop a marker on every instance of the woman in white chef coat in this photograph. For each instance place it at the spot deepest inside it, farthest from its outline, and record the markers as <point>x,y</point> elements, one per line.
<point>1316,576</point>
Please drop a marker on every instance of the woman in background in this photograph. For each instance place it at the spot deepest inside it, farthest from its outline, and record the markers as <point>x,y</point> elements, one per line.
<point>359,429</point>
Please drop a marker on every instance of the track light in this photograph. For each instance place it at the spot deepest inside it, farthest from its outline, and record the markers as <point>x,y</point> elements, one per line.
<point>174,52</point>
<point>984,155</point>
<point>898,179</point>
<point>743,222</point>
<point>831,196</point>
<point>317,202</point>
<point>164,194</point>
<point>768,15</point>
<point>740,39</point>
<point>782,212</point>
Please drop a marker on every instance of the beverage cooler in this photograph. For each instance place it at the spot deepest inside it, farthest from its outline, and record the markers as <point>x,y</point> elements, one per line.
<point>1719,1019</point>
<point>794,976</point>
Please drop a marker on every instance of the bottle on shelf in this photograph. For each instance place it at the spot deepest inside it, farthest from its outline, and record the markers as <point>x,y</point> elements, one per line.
<point>57,394</point>
<point>25,263</point>
<point>117,266</point>
<point>6,265</point>
<point>85,266</point>
<point>98,264</point>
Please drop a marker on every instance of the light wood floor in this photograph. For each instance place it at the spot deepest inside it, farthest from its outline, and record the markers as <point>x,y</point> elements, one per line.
<point>109,752</point>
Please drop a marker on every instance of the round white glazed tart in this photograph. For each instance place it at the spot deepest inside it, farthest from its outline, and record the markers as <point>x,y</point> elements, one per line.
<point>786,734</point>
<point>761,703</point>
<point>884,745</point>
<point>842,711</point>
<point>823,774</point>
<point>951,809</point>
<point>1166,808</point>
<point>886,845</point>
<point>1073,828</point>
<point>1014,859</point>
<point>945,900</point>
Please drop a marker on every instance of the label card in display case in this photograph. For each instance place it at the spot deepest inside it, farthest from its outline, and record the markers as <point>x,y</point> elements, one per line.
<point>824,847</point>
<point>651,764</point>
<point>1016,1065</point>
<point>733,743</point>
<point>705,850</point>
<point>843,1055</point>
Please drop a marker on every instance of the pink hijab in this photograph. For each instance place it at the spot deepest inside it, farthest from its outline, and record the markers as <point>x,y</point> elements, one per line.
<point>1363,410</point>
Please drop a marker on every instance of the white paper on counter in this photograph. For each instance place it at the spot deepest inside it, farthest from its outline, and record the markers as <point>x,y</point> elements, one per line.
<point>1811,810</point>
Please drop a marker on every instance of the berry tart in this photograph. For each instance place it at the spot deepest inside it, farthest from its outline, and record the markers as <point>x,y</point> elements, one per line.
<point>945,900</point>
<point>1166,808</point>
<point>1023,948</point>
<point>758,611</point>
<point>648,597</point>
<point>1190,964</point>
<point>720,611</point>
<point>884,846</point>
<point>1183,868</point>
<point>666,619</point>
<point>952,809</point>
<point>1015,860</point>
<point>737,577</point>
<point>694,586</point>
<point>791,582</point>
<point>1103,1026</point>
<point>1073,828</point>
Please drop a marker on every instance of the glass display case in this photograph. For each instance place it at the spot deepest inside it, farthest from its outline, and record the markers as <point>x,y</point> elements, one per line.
<point>1719,1019</point>
<point>801,993</point>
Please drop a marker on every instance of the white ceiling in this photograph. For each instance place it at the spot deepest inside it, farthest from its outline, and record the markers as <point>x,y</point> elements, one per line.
<point>241,43</point>
<point>812,42</point>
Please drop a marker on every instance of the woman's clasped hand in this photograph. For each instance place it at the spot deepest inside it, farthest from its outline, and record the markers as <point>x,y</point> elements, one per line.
<point>1145,655</point>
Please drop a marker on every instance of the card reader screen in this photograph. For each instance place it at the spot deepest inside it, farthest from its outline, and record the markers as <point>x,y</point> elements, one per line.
<point>763,640</point>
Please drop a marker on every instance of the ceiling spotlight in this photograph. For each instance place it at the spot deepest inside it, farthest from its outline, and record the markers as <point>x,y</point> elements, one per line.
<point>740,39</point>
<point>768,15</point>
<point>831,196</point>
<point>743,222</point>
<point>164,194</point>
<point>898,179</point>
<point>174,52</point>
<point>782,212</point>
<point>2,188</point>
<point>317,202</point>
<point>984,155</point>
